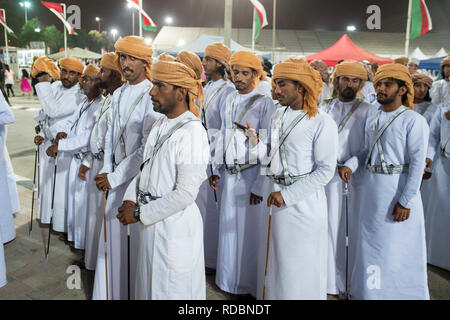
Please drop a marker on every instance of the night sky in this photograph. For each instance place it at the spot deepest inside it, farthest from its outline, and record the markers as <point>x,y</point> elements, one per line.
<point>316,15</point>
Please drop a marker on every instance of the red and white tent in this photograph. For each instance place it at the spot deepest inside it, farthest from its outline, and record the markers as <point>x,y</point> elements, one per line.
<point>345,49</point>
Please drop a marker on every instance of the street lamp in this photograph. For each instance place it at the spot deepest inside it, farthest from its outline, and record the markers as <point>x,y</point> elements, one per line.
<point>114,33</point>
<point>351,28</point>
<point>130,6</point>
<point>26,5</point>
<point>98,20</point>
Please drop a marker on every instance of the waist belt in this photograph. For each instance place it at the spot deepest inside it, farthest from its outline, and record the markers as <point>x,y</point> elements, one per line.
<point>340,164</point>
<point>145,197</point>
<point>239,168</point>
<point>79,155</point>
<point>391,169</point>
<point>98,156</point>
<point>282,180</point>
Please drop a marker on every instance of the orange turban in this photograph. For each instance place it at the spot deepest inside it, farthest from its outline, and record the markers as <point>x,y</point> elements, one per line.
<point>91,71</point>
<point>109,61</point>
<point>299,70</point>
<point>401,60</point>
<point>249,60</point>
<point>192,61</point>
<point>166,57</point>
<point>71,64</point>
<point>349,68</point>
<point>44,64</point>
<point>422,78</point>
<point>218,51</point>
<point>399,72</point>
<point>136,47</point>
<point>180,75</point>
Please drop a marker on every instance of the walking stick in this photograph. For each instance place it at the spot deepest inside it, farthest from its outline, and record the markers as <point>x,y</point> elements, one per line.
<point>128,259</point>
<point>346,194</point>
<point>105,195</point>
<point>51,218</point>
<point>267,255</point>
<point>36,156</point>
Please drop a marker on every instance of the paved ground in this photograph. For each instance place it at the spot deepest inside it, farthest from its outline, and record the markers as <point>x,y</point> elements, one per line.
<point>31,276</point>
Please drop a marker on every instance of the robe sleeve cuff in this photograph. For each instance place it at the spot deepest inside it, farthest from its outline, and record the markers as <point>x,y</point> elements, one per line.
<point>352,163</point>
<point>405,202</point>
<point>112,179</point>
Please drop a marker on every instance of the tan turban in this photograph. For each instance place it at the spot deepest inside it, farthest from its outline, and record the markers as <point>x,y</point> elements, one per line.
<point>349,68</point>
<point>136,47</point>
<point>46,65</point>
<point>218,51</point>
<point>249,60</point>
<point>309,78</point>
<point>166,57</point>
<point>399,72</point>
<point>322,67</point>
<point>422,78</point>
<point>109,61</point>
<point>445,62</point>
<point>180,75</point>
<point>401,60</point>
<point>71,64</point>
<point>191,60</point>
<point>91,71</point>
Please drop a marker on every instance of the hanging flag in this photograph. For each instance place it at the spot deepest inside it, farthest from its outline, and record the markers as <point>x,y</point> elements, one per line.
<point>260,18</point>
<point>147,22</point>
<point>57,9</point>
<point>3,23</point>
<point>420,19</point>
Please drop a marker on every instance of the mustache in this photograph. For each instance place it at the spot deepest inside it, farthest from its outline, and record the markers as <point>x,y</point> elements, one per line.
<point>127,69</point>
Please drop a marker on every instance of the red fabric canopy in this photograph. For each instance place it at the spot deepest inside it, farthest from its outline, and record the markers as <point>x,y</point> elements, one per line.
<point>345,49</point>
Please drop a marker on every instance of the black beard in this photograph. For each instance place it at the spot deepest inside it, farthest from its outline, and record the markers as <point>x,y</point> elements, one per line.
<point>348,94</point>
<point>103,85</point>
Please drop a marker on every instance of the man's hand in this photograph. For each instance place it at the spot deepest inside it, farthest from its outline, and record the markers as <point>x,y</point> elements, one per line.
<point>447,115</point>
<point>37,129</point>
<point>214,182</point>
<point>426,171</point>
<point>101,180</point>
<point>52,151</point>
<point>275,198</point>
<point>38,140</point>
<point>82,172</point>
<point>255,199</point>
<point>345,173</point>
<point>126,213</point>
<point>251,134</point>
<point>44,78</point>
<point>59,136</point>
<point>400,213</point>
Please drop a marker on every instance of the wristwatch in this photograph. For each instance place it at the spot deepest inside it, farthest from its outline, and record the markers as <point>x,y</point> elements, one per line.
<point>137,213</point>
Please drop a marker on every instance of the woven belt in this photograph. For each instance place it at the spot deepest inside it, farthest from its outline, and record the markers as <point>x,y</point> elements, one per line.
<point>239,168</point>
<point>98,156</point>
<point>340,164</point>
<point>145,197</point>
<point>390,169</point>
<point>79,155</point>
<point>282,180</point>
<point>445,154</point>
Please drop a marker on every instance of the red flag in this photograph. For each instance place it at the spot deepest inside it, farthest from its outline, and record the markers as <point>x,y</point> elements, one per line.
<point>57,9</point>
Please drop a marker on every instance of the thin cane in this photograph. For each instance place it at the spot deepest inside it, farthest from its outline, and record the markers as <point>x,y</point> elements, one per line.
<point>106,248</point>
<point>346,194</point>
<point>210,164</point>
<point>36,155</point>
<point>267,255</point>
<point>128,259</point>
<point>51,218</point>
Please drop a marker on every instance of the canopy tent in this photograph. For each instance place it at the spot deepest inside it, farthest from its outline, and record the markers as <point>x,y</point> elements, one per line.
<point>345,49</point>
<point>198,46</point>
<point>431,64</point>
<point>76,53</point>
<point>441,53</point>
<point>418,55</point>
